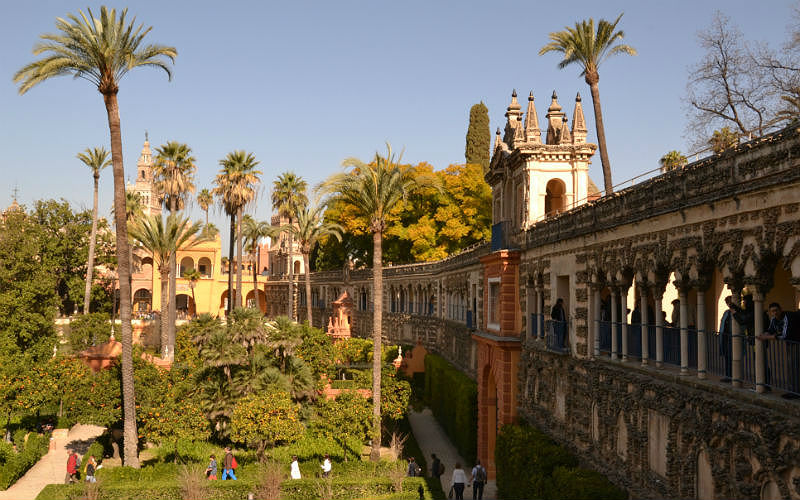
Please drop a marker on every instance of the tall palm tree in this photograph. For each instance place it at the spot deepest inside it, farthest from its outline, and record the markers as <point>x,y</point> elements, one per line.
<point>373,189</point>
<point>96,159</point>
<point>102,50</point>
<point>164,240</point>
<point>289,197</point>
<point>588,48</point>
<point>254,231</point>
<point>205,199</point>
<point>309,229</point>
<point>236,187</point>
<point>173,172</point>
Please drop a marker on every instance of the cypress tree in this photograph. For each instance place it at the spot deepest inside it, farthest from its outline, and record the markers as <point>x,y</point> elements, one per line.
<point>478,136</point>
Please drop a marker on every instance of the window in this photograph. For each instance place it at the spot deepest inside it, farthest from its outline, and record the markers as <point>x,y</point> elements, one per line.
<point>493,309</point>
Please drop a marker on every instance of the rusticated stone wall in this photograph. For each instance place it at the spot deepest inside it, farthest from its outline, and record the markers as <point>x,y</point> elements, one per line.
<point>660,435</point>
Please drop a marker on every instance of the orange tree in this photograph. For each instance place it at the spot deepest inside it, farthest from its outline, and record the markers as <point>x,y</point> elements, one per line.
<point>171,420</point>
<point>264,420</point>
<point>344,419</point>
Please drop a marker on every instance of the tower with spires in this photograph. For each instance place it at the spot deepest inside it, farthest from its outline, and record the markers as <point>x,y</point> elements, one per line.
<point>144,184</point>
<point>532,180</point>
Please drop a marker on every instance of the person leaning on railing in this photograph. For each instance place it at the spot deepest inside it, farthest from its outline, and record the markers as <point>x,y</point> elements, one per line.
<point>785,326</point>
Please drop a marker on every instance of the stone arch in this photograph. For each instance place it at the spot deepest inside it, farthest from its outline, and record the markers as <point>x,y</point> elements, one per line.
<point>704,477</point>
<point>403,294</point>
<point>555,199</point>
<point>250,300</point>
<point>142,301</point>
<point>622,437</point>
<point>204,267</point>
<point>187,265</point>
<point>146,266</point>
<point>223,299</point>
<point>296,269</point>
<point>185,306</point>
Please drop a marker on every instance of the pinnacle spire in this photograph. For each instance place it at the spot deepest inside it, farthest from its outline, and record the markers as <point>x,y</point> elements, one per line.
<point>532,131</point>
<point>579,131</point>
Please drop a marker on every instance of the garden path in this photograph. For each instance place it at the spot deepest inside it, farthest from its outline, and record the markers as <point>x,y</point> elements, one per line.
<point>432,439</point>
<point>52,467</point>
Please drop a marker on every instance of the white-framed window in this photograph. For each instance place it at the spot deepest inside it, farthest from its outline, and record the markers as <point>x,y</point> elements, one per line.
<point>493,306</point>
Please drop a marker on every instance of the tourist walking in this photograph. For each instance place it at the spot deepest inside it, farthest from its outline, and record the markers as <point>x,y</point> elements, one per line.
<point>413,468</point>
<point>211,470</point>
<point>437,469</point>
<point>73,465</point>
<point>725,340</point>
<point>91,466</point>
<point>294,469</point>
<point>458,481</point>
<point>326,466</point>
<point>228,465</point>
<point>478,481</point>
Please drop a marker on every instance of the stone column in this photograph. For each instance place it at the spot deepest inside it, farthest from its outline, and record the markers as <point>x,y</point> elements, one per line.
<point>737,345</point>
<point>761,369</point>
<point>623,294</point>
<point>589,321</point>
<point>596,319</point>
<point>684,310</point>
<point>614,321</point>
<point>540,308</point>
<point>645,321</point>
<point>659,296</point>
<point>701,333</point>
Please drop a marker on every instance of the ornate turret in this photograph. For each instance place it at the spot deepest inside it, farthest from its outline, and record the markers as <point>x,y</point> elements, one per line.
<point>145,184</point>
<point>579,131</point>
<point>498,139</point>
<point>564,136</point>
<point>555,118</point>
<point>532,132</point>
<point>514,133</point>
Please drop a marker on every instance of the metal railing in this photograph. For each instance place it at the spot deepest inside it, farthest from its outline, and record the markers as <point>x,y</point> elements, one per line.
<point>557,335</point>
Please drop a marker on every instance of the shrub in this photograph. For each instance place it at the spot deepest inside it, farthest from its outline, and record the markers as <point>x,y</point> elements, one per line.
<point>582,484</point>
<point>263,420</point>
<point>453,397</point>
<point>17,464</point>
<point>87,330</point>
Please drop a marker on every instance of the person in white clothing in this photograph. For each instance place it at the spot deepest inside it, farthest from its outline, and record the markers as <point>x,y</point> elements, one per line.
<point>326,466</point>
<point>458,481</point>
<point>295,470</point>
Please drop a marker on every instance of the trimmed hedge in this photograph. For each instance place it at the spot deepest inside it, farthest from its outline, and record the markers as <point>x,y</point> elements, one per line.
<point>453,397</point>
<point>530,463</point>
<point>15,465</point>
<point>301,489</point>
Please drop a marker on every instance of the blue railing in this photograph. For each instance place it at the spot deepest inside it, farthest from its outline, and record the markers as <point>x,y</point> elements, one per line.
<point>557,335</point>
<point>469,320</point>
<point>501,233</point>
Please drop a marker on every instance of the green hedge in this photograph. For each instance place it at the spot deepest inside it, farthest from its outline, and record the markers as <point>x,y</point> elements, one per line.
<point>529,461</point>
<point>15,465</point>
<point>301,489</point>
<point>453,397</point>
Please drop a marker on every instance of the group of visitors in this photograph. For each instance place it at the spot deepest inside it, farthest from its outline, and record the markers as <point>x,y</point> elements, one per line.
<point>458,480</point>
<point>74,468</point>
<point>230,465</point>
<point>778,325</point>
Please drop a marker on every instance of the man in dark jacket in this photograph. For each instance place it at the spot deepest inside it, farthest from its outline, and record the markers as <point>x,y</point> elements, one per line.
<point>785,326</point>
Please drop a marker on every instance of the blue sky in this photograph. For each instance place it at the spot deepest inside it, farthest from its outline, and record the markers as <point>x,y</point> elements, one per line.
<point>305,84</point>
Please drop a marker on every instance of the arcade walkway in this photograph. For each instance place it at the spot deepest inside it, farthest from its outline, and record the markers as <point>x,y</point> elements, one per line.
<point>432,439</point>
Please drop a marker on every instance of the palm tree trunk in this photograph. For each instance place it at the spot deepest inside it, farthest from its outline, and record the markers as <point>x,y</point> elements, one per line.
<point>309,315</point>
<point>239,257</point>
<point>377,325</point>
<point>173,275</point>
<point>164,271</point>
<point>255,275</point>
<point>87,294</point>
<point>601,138</point>
<point>231,238</point>
<point>291,275</point>
<point>131,440</point>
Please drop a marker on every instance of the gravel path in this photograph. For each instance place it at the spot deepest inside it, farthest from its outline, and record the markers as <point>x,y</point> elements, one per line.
<point>52,467</point>
<point>432,439</point>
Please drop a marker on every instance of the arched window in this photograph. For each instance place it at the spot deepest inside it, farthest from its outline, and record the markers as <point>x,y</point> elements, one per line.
<point>204,267</point>
<point>142,300</point>
<point>296,267</point>
<point>187,264</point>
<point>555,200</point>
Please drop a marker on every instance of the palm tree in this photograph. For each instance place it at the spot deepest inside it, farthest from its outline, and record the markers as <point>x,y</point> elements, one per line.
<point>672,161</point>
<point>588,48</point>
<point>193,276</point>
<point>236,187</point>
<point>254,231</point>
<point>164,240</point>
<point>133,206</point>
<point>723,139</point>
<point>205,199</point>
<point>102,50</point>
<point>373,190</point>
<point>173,172</point>
<point>97,159</point>
<point>310,228</point>
<point>289,197</point>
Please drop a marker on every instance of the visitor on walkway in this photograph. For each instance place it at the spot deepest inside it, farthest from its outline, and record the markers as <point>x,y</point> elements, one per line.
<point>785,326</point>
<point>413,468</point>
<point>91,466</point>
<point>725,340</point>
<point>73,465</point>
<point>478,481</point>
<point>294,469</point>
<point>436,466</point>
<point>326,466</point>
<point>228,465</point>
<point>559,317</point>
<point>458,481</point>
<point>211,470</point>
